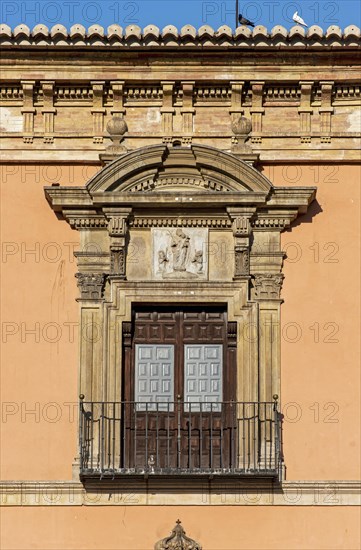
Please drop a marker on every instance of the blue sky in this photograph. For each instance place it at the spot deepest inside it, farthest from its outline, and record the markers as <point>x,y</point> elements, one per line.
<point>178,12</point>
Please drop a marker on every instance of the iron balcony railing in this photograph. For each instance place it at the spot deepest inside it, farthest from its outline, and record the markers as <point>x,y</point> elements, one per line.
<point>226,438</point>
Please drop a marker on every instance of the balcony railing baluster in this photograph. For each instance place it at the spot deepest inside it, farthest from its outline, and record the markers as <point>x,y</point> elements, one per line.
<point>228,438</point>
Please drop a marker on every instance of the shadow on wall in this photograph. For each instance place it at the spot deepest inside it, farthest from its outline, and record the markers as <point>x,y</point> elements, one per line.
<point>314,209</point>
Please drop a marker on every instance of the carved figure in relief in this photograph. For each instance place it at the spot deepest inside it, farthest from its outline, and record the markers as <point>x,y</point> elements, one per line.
<point>162,261</point>
<point>180,246</point>
<point>179,253</point>
<point>198,260</point>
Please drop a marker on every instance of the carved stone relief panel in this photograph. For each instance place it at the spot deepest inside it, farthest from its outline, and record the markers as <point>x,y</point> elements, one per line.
<point>180,253</point>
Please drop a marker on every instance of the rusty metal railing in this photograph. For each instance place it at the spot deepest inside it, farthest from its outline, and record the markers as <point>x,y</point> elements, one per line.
<point>167,438</point>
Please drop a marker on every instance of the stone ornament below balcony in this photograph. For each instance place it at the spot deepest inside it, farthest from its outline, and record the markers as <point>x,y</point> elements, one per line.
<point>177,540</point>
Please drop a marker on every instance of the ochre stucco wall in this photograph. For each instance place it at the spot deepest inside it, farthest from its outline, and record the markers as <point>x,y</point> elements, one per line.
<point>37,291</point>
<point>318,378</point>
<point>321,370</point>
<point>138,528</point>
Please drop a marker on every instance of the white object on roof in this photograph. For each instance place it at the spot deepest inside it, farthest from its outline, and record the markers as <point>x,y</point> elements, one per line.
<point>298,19</point>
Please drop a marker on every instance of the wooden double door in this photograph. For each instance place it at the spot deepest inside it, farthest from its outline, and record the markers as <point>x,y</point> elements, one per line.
<point>179,384</point>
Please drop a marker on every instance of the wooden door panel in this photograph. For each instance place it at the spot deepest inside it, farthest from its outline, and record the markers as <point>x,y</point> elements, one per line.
<point>203,374</point>
<point>154,376</point>
<point>182,435</point>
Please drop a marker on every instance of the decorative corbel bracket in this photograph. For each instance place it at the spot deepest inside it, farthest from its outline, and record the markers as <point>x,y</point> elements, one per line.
<point>326,111</point>
<point>305,111</point>
<point>187,110</point>
<point>257,111</point>
<point>236,110</point>
<point>98,111</point>
<point>48,111</point>
<point>167,109</point>
<point>241,227</point>
<point>117,229</point>
<point>28,111</point>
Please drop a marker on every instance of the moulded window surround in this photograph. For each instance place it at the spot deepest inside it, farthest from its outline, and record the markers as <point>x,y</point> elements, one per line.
<point>210,195</point>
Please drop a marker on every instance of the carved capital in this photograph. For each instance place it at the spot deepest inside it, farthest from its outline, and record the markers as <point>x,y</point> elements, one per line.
<point>267,286</point>
<point>91,285</point>
<point>177,540</point>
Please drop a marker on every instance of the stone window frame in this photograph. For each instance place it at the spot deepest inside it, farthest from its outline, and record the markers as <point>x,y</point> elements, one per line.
<point>194,186</point>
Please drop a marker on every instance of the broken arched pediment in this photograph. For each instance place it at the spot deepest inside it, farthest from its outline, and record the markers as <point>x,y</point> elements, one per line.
<point>197,168</point>
<point>165,177</point>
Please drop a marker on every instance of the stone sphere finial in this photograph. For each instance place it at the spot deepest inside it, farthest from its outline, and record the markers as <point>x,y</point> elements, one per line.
<point>116,126</point>
<point>242,126</point>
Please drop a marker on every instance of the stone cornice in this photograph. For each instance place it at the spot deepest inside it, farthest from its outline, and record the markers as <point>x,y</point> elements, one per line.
<point>152,37</point>
<point>190,491</point>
